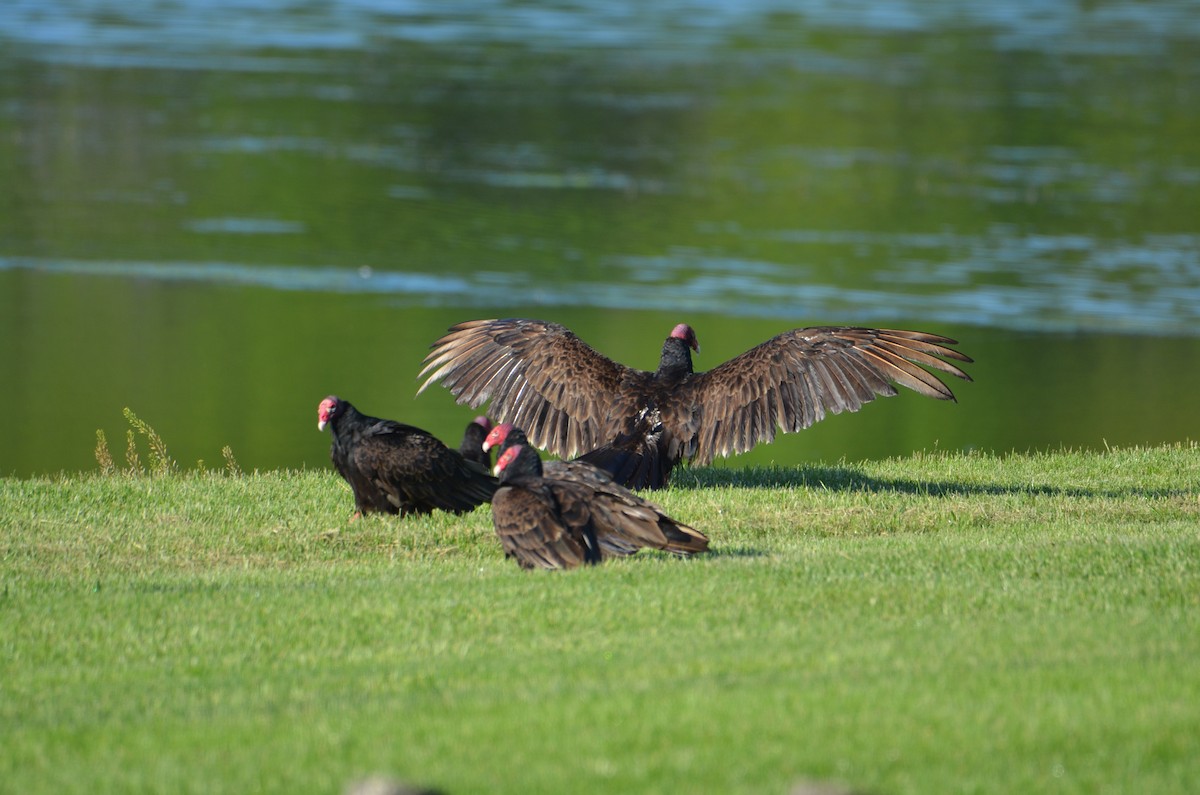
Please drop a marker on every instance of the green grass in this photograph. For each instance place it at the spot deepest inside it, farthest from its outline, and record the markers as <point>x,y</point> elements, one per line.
<point>944,623</point>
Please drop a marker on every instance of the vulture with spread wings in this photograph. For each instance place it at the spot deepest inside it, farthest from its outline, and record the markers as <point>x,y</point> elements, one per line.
<point>637,425</point>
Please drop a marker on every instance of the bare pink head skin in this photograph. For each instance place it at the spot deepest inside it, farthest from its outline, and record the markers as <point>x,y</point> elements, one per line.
<point>328,406</point>
<point>684,332</point>
<point>506,458</point>
<point>496,436</point>
<point>483,422</point>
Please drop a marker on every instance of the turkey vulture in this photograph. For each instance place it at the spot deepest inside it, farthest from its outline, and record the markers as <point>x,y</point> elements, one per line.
<point>639,425</point>
<point>620,536</point>
<point>396,468</point>
<point>472,447</point>
<point>557,523</point>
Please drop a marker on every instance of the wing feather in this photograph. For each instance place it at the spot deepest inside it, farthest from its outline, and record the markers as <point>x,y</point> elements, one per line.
<point>927,354</point>
<point>539,376</point>
<point>531,531</point>
<point>896,368</point>
<point>622,521</point>
<point>415,472</point>
<point>794,379</point>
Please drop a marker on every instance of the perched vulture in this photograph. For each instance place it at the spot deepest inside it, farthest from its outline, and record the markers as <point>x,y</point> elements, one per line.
<point>624,527</point>
<point>472,447</point>
<point>637,425</point>
<point>396,468</point>
<point>551,522</point>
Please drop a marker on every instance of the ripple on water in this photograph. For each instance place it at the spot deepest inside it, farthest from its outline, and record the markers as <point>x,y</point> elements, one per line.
<point>208,33</point>
<point>1036,293</point>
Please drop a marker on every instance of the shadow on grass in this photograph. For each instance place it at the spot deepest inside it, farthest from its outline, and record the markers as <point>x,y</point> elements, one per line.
<point>852,478</point>
<point>723,551</point>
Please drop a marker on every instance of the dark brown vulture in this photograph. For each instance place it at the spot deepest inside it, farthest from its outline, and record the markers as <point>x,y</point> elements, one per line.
<point>472,447</point>
<point>553,521</point>
<point>618,534</point>
<point>396,468</point>
<point>637,425</point>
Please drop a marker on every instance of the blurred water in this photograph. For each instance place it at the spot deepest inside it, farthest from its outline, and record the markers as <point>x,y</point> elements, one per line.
<point>218,212</point>
<point>177,31</point>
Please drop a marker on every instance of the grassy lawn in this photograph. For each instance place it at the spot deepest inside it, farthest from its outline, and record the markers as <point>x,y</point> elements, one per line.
<point>942,623</point>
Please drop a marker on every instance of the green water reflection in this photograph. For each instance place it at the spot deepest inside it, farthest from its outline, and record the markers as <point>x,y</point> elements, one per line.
<point>209,366</point>
<point>217,233</point>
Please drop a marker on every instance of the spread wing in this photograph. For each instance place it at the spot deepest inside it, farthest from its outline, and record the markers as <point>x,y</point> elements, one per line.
<point>539,376</point>
<point>531,531</point>
<point>792,380</point>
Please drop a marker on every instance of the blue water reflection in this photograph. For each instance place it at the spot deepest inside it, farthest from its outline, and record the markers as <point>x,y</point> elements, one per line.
<point>207,30</point>
<point>1153,287</point>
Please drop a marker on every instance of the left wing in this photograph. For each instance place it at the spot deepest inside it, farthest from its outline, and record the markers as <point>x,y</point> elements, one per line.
<point>791,381</point>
